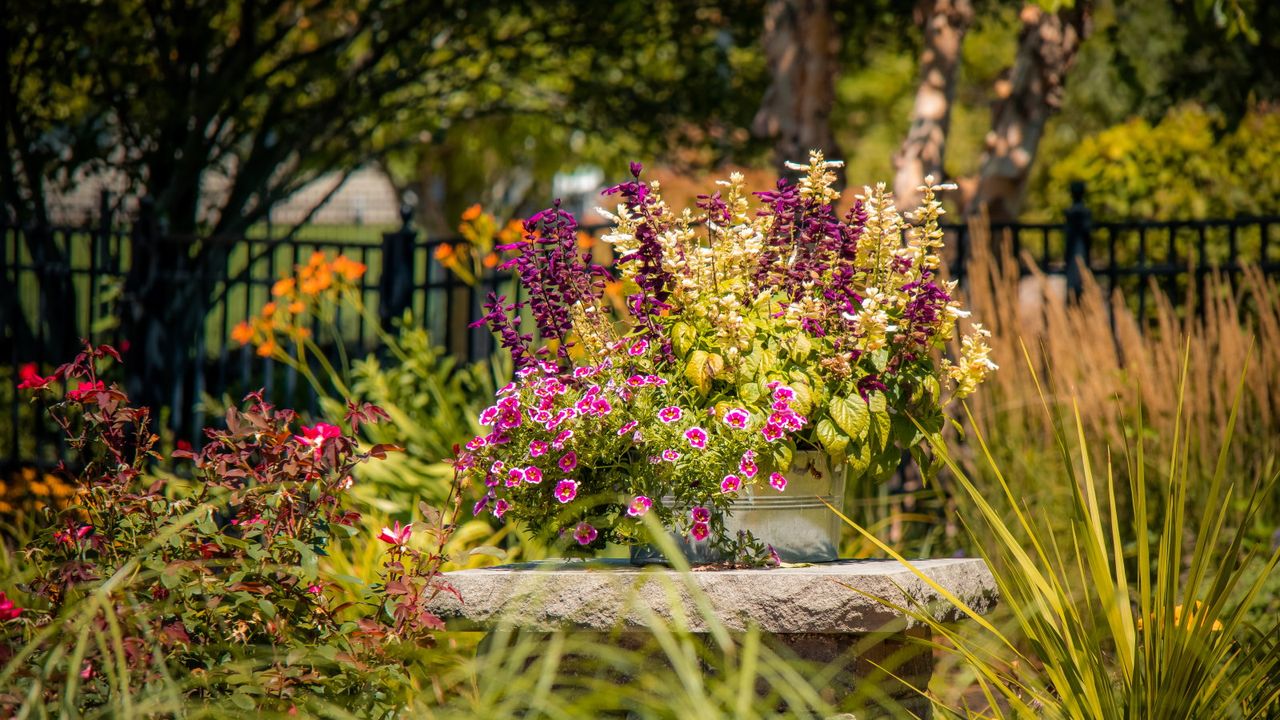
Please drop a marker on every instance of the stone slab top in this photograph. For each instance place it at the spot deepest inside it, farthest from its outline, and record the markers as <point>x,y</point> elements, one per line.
<point>609,595</point>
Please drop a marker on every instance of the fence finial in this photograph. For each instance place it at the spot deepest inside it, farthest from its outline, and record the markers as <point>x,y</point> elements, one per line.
<point>1079,222</point>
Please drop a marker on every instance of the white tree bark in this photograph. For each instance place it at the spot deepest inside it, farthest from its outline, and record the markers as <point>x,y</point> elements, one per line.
<point>943,24</point>
<point>800,46</point>
<point>1031,93</point>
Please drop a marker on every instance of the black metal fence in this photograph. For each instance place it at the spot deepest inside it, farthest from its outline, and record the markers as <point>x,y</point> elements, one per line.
<point>68,282</point>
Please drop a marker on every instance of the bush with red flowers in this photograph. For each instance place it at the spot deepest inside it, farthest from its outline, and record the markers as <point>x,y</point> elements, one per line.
<point>211,584</point>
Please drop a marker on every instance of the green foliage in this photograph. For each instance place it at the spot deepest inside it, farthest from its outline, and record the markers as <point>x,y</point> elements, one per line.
<point>1119,624</point>
<point>432,404</point>
<point>1177,168</point>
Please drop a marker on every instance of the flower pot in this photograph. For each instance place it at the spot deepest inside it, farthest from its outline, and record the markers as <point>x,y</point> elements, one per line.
<point>796,523</point>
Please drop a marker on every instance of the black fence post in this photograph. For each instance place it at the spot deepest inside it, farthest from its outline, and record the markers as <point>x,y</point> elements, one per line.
<point>1079,224</point>
<point>395,286</point>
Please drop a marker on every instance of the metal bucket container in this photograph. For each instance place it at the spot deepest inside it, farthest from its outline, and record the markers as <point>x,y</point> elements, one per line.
<point>795,522</point>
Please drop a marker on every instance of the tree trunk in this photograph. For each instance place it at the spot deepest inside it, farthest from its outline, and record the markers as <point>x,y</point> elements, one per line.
<point>1026,98</point>
<point>800,46</point>
<point>943,23</point>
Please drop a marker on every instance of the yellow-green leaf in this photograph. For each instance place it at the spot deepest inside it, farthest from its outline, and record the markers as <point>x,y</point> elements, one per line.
<point>833,441</point>
<point>852,416</point>
<point>702,368</point>
<point>683,337</point>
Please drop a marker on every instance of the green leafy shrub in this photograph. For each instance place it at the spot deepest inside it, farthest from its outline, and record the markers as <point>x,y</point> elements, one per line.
<point>432,403</point>
<point>1182,168</point>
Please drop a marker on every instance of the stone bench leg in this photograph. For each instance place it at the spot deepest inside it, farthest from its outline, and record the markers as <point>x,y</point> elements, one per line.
<point>856,673</point>
<point>843,667</point>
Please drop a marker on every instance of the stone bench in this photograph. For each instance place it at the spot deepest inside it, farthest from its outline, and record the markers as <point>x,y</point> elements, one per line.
<point>812,612</point>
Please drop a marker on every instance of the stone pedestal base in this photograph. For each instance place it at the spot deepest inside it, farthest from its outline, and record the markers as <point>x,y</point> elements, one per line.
<point>859,654</point>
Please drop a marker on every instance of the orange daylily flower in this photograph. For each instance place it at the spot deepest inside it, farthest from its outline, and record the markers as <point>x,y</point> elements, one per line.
<point>269,309</point>
<point>1191,618</point>
<point>348,268</point>
<point>444,252</point>
<point>472,213</point>
<point>242,333</point>
<point>283,286</point>
<point>296,307</point>
<point>511,232</point>
<point>317,282</point>
<point>490,260</point>
<point>267,348</point>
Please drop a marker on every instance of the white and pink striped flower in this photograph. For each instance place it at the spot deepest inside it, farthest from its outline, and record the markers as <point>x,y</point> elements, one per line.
<point>639,506</point>
<point>566,490</point>
<point>670,414</point>
<point>697,437</point>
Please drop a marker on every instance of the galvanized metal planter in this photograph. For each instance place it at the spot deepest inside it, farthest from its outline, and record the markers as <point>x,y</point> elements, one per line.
<point>796,523</point>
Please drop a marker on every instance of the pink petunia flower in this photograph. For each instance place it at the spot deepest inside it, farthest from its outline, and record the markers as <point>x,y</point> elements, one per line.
<point>515,476</point>
<point>747,465</point>
<point>700,531</point>
<point>537,448</point>
<point>771,432</point>
<point>316,435</point>
<point>778,481</point>
<point>532,475</point>
<point>566,490</point>
<point>476,443</point>
<point>782,392</point>
<point>561,439</point>
<point>635,381</point>
<point>700,515</point>
<point>8,610</point>
<point>654,380</point>
<point>500,508</point>
<point>85,389</point>
<point>697,437</point>
<point>628,427</point>
<point>584,533</point>
<point>568,461</point>
<point>397,534</point>
<point>730,484</point>
<point>489,415</point>
<point>638,348</point>
<point>31,379</point>
<point>670,455</point>
<point>508,419</point>
<point>639,506</point>
<point>737,418</point>
<point>482,503</point>
<point>670,414</point>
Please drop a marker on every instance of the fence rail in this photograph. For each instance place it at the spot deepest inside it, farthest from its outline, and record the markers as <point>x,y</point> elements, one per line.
<point>70,282</point>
